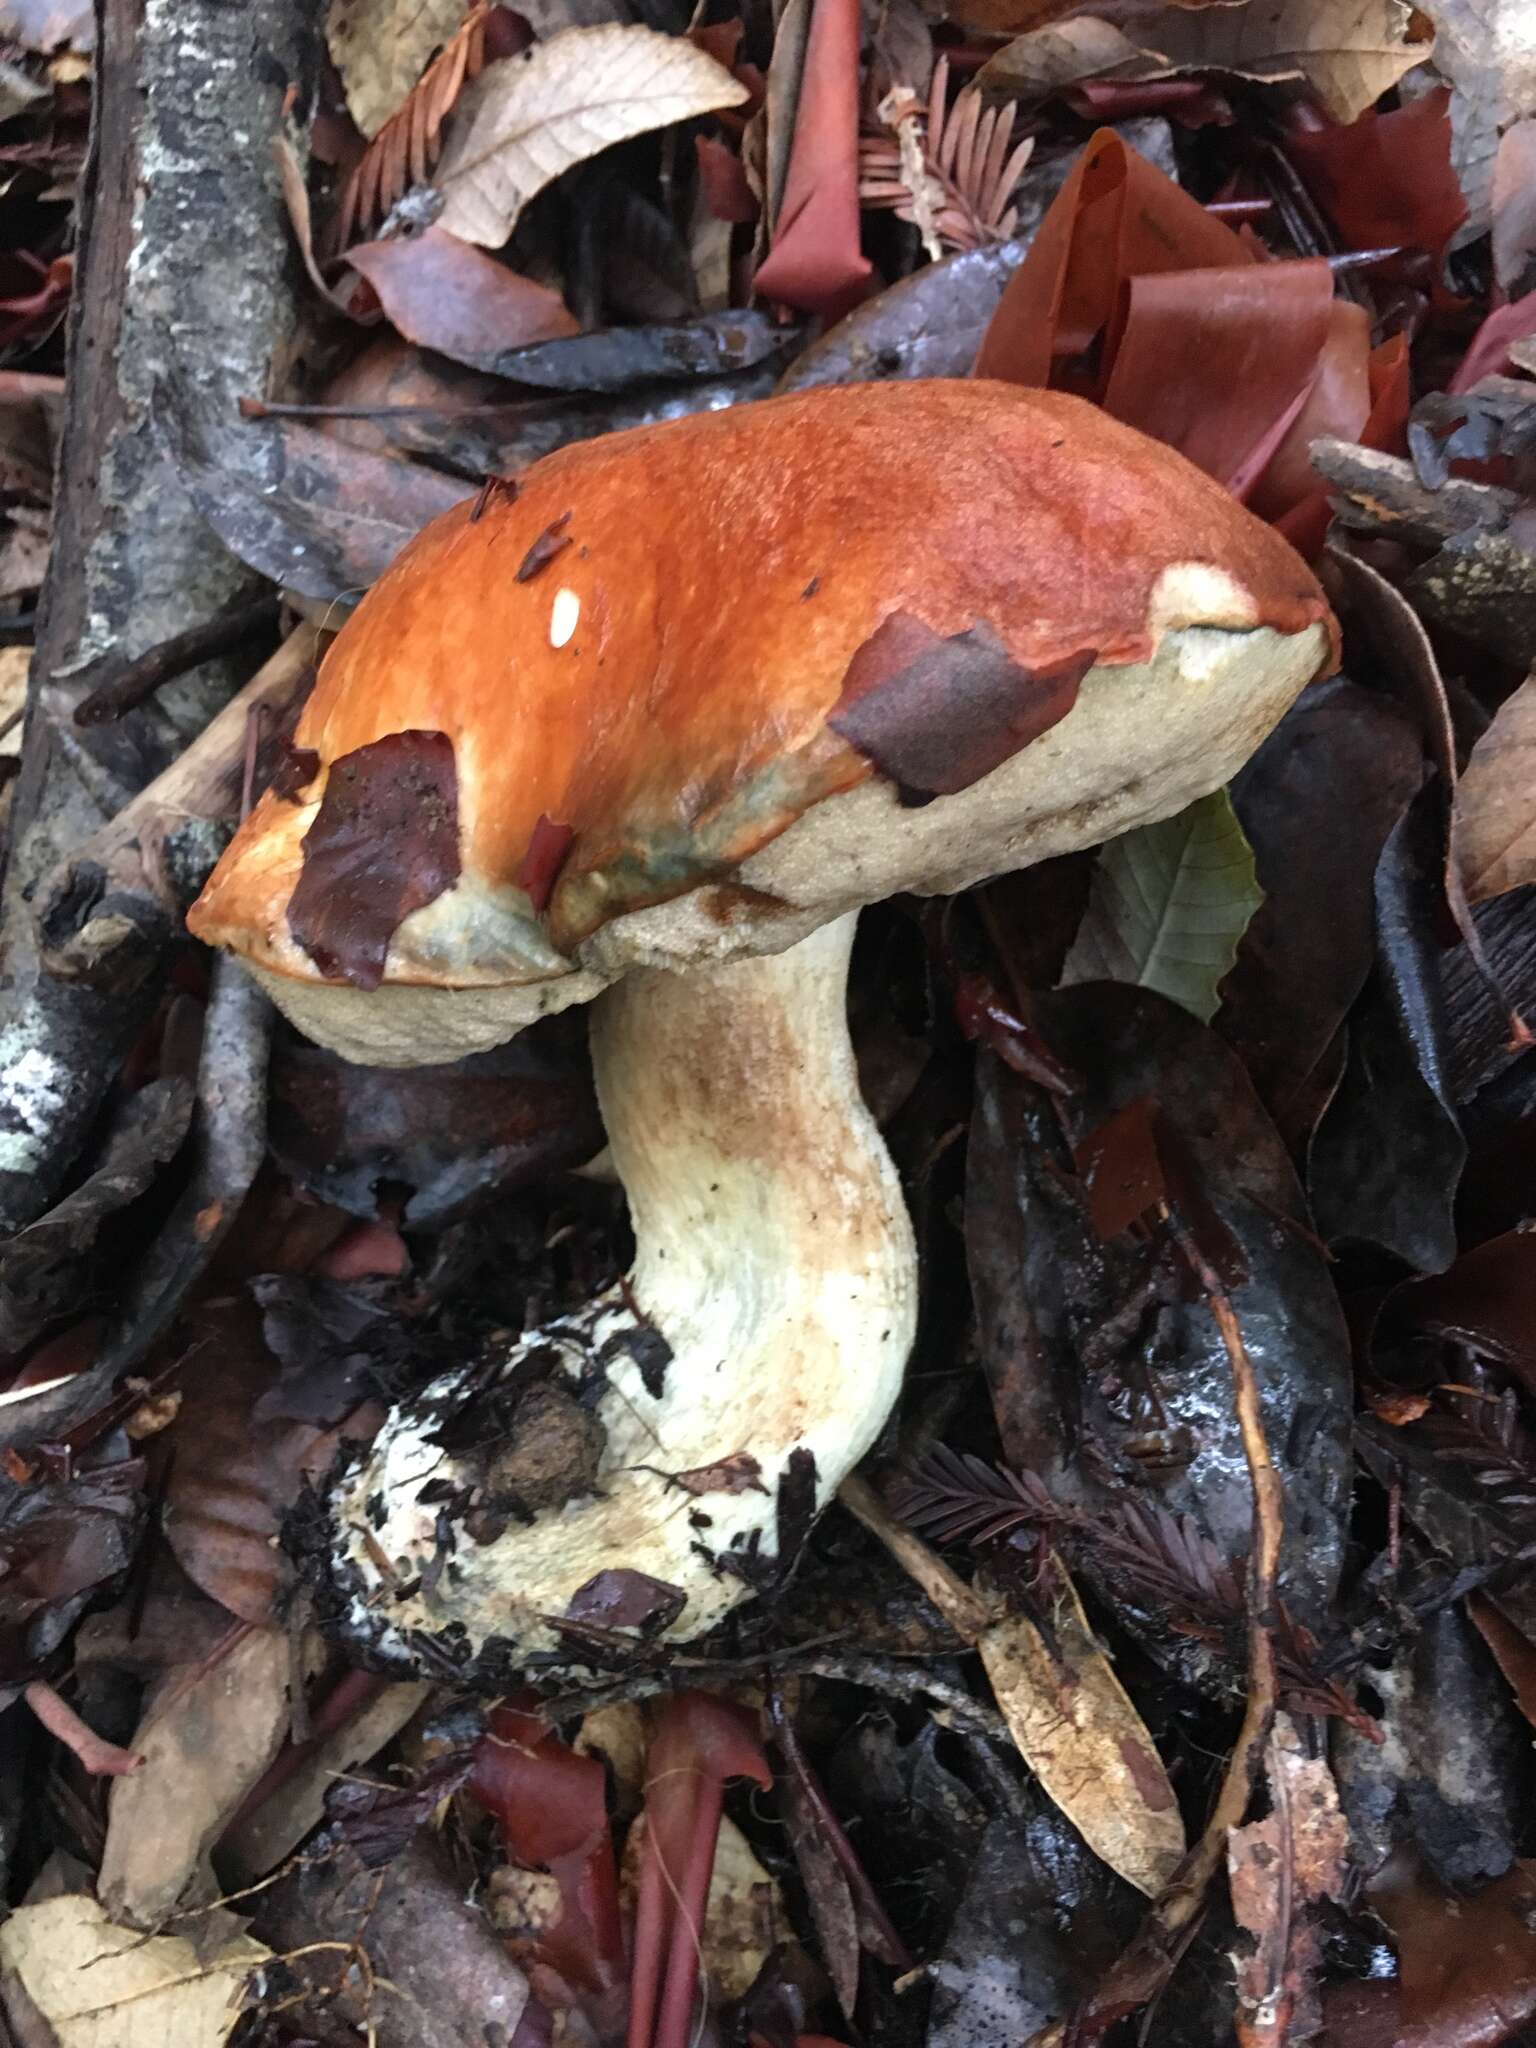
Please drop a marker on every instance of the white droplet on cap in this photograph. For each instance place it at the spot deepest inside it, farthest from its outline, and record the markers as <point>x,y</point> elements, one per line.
<point>563,616</point>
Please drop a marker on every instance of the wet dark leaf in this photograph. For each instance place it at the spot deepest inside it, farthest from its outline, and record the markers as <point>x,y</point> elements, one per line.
<point>384,843</point>
<point>333,1342</point>
<point>449,1137</point>
<point>1099,1364</point>
<point>629,358</point>
<point>44,1268</point>
<point>1040,1922</point>
<point>61,1540</point>
<point>1388,1153</point>
<point>1467,1482</point>
<point>479,426</point>
<point>1316,802</point>
<point>913,1813</point>
<point>1453,1777</point>
<point>300,506</point>
<point>377,1822</point>
<point>928,325</point>
<point>936,714</point>
<point>618,1598</point>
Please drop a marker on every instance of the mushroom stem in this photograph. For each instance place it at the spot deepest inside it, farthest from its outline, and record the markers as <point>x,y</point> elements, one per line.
<point>743,1369</point>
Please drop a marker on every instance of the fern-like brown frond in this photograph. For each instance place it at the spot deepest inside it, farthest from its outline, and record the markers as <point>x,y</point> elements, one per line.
<point>970,163</point>
<point>405,149</point>
<point>1151,1553</point>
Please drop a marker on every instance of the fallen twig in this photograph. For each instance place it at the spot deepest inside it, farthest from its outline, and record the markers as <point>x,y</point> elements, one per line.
<point>123,685</point>
<point>1070,1717</point>
<point>105,918</point>
<point>229,1140</point>
<point>1145,1967</point>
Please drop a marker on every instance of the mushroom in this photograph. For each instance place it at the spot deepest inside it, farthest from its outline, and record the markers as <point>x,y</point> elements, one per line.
<point>645,729</point>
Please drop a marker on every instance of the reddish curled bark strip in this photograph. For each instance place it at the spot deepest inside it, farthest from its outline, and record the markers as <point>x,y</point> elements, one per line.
<point>101,1758</point>
<point>700,1743</point>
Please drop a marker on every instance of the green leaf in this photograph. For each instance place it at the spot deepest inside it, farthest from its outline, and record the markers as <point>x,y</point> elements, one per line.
<point>1168,904</point>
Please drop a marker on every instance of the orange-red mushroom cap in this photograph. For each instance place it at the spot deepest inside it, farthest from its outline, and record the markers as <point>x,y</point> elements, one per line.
<point>656,651</point>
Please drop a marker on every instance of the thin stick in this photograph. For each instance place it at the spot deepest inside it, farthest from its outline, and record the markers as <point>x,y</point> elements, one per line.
<point>1144,1968</point>
<point>966,1614</point>
<point>124,685</point>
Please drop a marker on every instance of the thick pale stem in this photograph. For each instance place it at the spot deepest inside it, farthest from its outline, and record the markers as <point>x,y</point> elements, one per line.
<point>763,1332</point>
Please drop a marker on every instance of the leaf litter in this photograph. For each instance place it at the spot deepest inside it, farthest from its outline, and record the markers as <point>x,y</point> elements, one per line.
<point>1218,1141</point>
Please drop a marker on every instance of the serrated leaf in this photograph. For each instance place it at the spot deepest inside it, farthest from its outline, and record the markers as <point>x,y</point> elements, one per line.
<point>1168,905</point>
<point>562,101</point>
<point>381,48</point>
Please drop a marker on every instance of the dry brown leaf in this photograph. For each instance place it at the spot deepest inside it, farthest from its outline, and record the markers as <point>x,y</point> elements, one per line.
<point>1496,801</point>
<point>405,149</point>
<point>1079,1733</point>
<point>100,1986</point>
<point>447,295</point>
<point>381,48</point>
<point>1487,50</point>
<point>1349,51</point>
<point>1072,1719</point>
<point>1277,1867</point>
<point>537,115</point>
<point>207,1736</point>
<point>259,1841</point>
<point>1046,60</point>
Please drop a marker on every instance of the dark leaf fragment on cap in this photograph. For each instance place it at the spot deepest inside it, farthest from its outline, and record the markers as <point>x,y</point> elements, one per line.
<point>545,548</point>
<point>936,714</point>
<point>384,843</point>
<point>618,1598</point>
<point>296,769</point>
<point>541,864</point>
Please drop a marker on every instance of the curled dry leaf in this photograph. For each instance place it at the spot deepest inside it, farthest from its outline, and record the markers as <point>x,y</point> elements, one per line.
<point>1496,801</point>
<point>814,260</point>
<point>447,295</point>
<point>560,103</point>
<point>1349,51</point>
<point>206,1738</point>
<point>380,48</point>
<point>404,150</point>
<point>1489,55</point>
<point>1169,904</point>
<point>100,1986</point>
